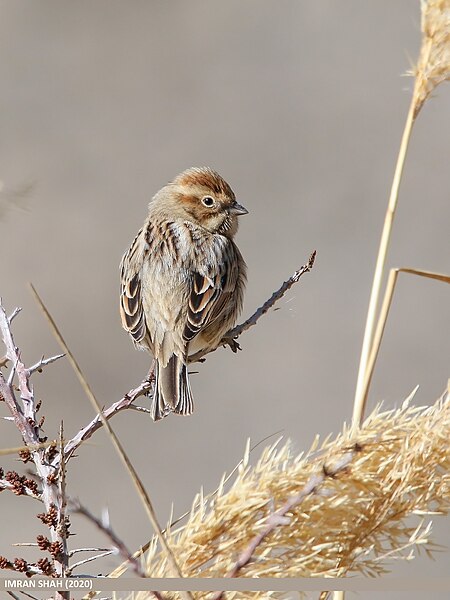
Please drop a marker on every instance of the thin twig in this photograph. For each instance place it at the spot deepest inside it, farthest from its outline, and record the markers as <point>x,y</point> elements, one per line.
<point>78,550</point>
<point>78,508</point>
<point>88,560</point>
<point>231,337</point>
<point>278,518</point>
<point>140,409</point>
<point>239,329</point>
<point>86,432</point>
<point>25,544</point>
<point>44,362</point>
<point>14,314</point>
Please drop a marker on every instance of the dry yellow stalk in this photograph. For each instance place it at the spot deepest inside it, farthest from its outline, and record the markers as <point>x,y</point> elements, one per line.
<point>433,67</point>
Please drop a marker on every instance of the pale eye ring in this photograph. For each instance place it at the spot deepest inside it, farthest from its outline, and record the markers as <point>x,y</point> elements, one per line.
<point>208,201</point>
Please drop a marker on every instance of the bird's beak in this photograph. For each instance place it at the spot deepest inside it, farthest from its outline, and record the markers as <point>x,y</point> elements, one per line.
<point>238,209</point>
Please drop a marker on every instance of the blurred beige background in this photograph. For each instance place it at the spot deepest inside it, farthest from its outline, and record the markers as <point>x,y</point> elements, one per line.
<point>300,106</point>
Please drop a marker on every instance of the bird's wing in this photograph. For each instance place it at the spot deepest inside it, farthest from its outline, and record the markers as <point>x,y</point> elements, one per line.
<point>131,306</point>
<point>210,293</point>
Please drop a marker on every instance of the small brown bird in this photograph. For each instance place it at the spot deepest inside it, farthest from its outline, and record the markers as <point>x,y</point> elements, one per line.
<point>183,280</point>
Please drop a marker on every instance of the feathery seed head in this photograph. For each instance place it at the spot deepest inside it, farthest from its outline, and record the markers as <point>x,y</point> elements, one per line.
<point>433,66</point>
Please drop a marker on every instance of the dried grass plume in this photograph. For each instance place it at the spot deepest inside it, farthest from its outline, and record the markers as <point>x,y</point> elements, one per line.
<point>344,507</point>
<point>433,66</point>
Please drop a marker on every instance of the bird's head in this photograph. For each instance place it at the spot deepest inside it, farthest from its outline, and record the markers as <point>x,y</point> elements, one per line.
<point>202,196</point>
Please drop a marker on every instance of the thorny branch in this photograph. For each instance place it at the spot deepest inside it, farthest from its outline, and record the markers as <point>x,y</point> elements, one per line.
<point>239,329</point>
<point>24,413</point>
<point>146,387</point>
<point>43,362</point>
<point>231,337</point>
<point>96,423</point>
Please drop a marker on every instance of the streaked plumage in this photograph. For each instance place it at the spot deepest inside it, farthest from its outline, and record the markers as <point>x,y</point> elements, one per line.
<point>182,280</point>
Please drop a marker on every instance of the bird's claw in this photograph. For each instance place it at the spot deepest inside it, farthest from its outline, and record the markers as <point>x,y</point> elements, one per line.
<point>233,344</point>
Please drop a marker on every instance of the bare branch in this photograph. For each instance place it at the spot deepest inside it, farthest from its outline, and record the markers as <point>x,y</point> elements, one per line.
<point>140,409</point>
<point>96,423</point>
<point>25,418</point>
<point>44,362</point>
<point>77,550</point>
<point>88,560</point>
<point>105,527</point>
<point>22,423</point>
<point>12,374</point>
<point>230,338</point>
<point>14,314</point>
<point>27,544</point>
<point>239,329</point>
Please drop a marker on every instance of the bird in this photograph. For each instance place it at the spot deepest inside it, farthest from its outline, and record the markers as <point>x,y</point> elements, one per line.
<point>183,280</point>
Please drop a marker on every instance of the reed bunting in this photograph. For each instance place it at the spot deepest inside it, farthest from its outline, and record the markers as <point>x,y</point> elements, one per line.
<point>182,280</point>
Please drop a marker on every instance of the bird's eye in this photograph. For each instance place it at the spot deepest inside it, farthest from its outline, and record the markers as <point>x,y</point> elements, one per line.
<point>208,201</point>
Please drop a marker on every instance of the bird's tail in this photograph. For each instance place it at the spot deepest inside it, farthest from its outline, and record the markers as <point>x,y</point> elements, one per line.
<point>172,392</point>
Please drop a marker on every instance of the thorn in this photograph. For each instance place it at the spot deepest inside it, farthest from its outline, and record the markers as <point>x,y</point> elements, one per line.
<point>312,259</point>
<point>14,314</point>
